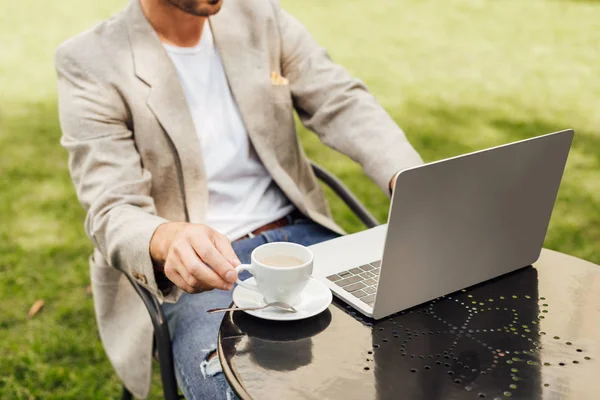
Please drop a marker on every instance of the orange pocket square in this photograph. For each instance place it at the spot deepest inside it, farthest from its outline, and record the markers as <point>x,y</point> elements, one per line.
<point>277,79</point>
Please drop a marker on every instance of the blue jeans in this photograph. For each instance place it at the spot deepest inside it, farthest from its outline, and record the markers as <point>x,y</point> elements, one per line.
<point>194,332</point>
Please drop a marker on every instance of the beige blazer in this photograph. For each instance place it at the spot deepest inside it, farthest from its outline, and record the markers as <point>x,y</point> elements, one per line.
<point>136,162</point>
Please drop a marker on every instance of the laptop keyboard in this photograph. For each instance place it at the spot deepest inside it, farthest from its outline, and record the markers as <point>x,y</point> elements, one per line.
<point>361,282</point>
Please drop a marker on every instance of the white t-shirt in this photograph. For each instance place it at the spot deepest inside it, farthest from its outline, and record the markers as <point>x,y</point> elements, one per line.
<point>242,194</point>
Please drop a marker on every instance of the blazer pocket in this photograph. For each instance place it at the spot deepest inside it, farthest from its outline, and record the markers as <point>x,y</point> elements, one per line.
<point>282,134</point>
<point>281,94</point>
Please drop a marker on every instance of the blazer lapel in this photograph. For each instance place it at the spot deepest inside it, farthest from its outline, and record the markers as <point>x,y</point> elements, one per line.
<point>247,71</point>
<point>167,101</point>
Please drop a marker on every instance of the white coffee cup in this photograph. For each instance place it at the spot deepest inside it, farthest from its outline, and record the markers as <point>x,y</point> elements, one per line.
<point>277,282</point>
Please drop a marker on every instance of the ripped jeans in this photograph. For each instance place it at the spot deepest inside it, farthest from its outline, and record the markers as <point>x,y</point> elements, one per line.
<point>194,332</point>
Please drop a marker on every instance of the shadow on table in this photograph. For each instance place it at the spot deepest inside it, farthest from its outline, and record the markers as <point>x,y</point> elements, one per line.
<point>273,345</point>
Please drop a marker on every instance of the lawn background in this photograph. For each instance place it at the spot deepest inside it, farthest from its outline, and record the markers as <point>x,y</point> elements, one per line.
<point>457,75</point>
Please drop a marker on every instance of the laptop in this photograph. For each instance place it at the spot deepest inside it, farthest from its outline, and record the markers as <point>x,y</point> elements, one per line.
<point>452,224</point>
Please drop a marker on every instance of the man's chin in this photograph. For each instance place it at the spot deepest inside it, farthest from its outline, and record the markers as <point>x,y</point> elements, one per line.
<point>212,7</point>
<point>204,8</point>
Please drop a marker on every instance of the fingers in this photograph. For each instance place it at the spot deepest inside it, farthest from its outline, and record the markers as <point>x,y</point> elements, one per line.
<point>224,247</point>
<point>178,272</point>
<point>175,277</point>
<point>199,274</point>
<point>200,258</point>
<point>211,256</point>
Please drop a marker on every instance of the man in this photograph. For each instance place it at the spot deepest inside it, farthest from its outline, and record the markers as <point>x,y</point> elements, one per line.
<point>178,119</point>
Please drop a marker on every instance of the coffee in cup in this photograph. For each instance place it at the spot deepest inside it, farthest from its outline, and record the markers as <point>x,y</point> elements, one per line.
<point>281,261</point>
<point>281,270</point>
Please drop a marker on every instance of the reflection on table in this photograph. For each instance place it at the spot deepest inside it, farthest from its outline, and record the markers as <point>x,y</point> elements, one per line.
<point>531,334</point>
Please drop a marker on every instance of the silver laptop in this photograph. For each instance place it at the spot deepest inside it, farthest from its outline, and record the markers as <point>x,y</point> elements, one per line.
<point>452,224</point>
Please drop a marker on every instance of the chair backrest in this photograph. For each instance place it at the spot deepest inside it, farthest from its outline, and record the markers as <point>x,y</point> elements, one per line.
<point>346,195</point>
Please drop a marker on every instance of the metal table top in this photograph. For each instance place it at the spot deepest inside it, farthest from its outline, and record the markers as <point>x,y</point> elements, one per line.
<point>531,334</point>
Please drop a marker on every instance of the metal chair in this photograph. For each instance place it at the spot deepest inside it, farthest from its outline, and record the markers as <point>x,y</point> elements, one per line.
<point>162,338</point>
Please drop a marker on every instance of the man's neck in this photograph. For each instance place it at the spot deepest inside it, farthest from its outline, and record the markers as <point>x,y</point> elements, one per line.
<point>172,25</point>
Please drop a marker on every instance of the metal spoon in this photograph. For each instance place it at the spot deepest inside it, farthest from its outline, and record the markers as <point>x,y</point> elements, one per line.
<point>276,304</point>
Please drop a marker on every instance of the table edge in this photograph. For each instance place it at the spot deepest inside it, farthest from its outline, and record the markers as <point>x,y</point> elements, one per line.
<point>236,386</point>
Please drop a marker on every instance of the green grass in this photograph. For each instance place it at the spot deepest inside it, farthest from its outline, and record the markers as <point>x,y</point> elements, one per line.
<point>457,75</point>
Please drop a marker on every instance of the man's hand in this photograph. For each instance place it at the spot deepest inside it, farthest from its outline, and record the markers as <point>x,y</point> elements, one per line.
<point>196,258</point>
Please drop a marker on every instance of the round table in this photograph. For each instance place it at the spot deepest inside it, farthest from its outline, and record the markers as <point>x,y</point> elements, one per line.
<point>531,334</point>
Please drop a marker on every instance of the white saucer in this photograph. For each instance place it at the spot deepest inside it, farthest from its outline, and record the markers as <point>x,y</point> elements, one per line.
<point>315,299</point>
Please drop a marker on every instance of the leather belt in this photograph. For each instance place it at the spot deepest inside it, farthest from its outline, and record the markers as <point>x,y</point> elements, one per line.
<point>280,223</point>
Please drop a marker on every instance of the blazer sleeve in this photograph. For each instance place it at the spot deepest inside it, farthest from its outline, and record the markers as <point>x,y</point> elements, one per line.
<point>106,169</point>
<point>339,108</point>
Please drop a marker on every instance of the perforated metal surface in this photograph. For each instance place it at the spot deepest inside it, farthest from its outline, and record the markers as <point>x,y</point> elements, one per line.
<point>529,335</point>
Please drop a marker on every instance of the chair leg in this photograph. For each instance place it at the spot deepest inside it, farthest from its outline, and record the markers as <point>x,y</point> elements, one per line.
<point>126,394</point>
<point>162,341</point>
<point>167,366</point>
